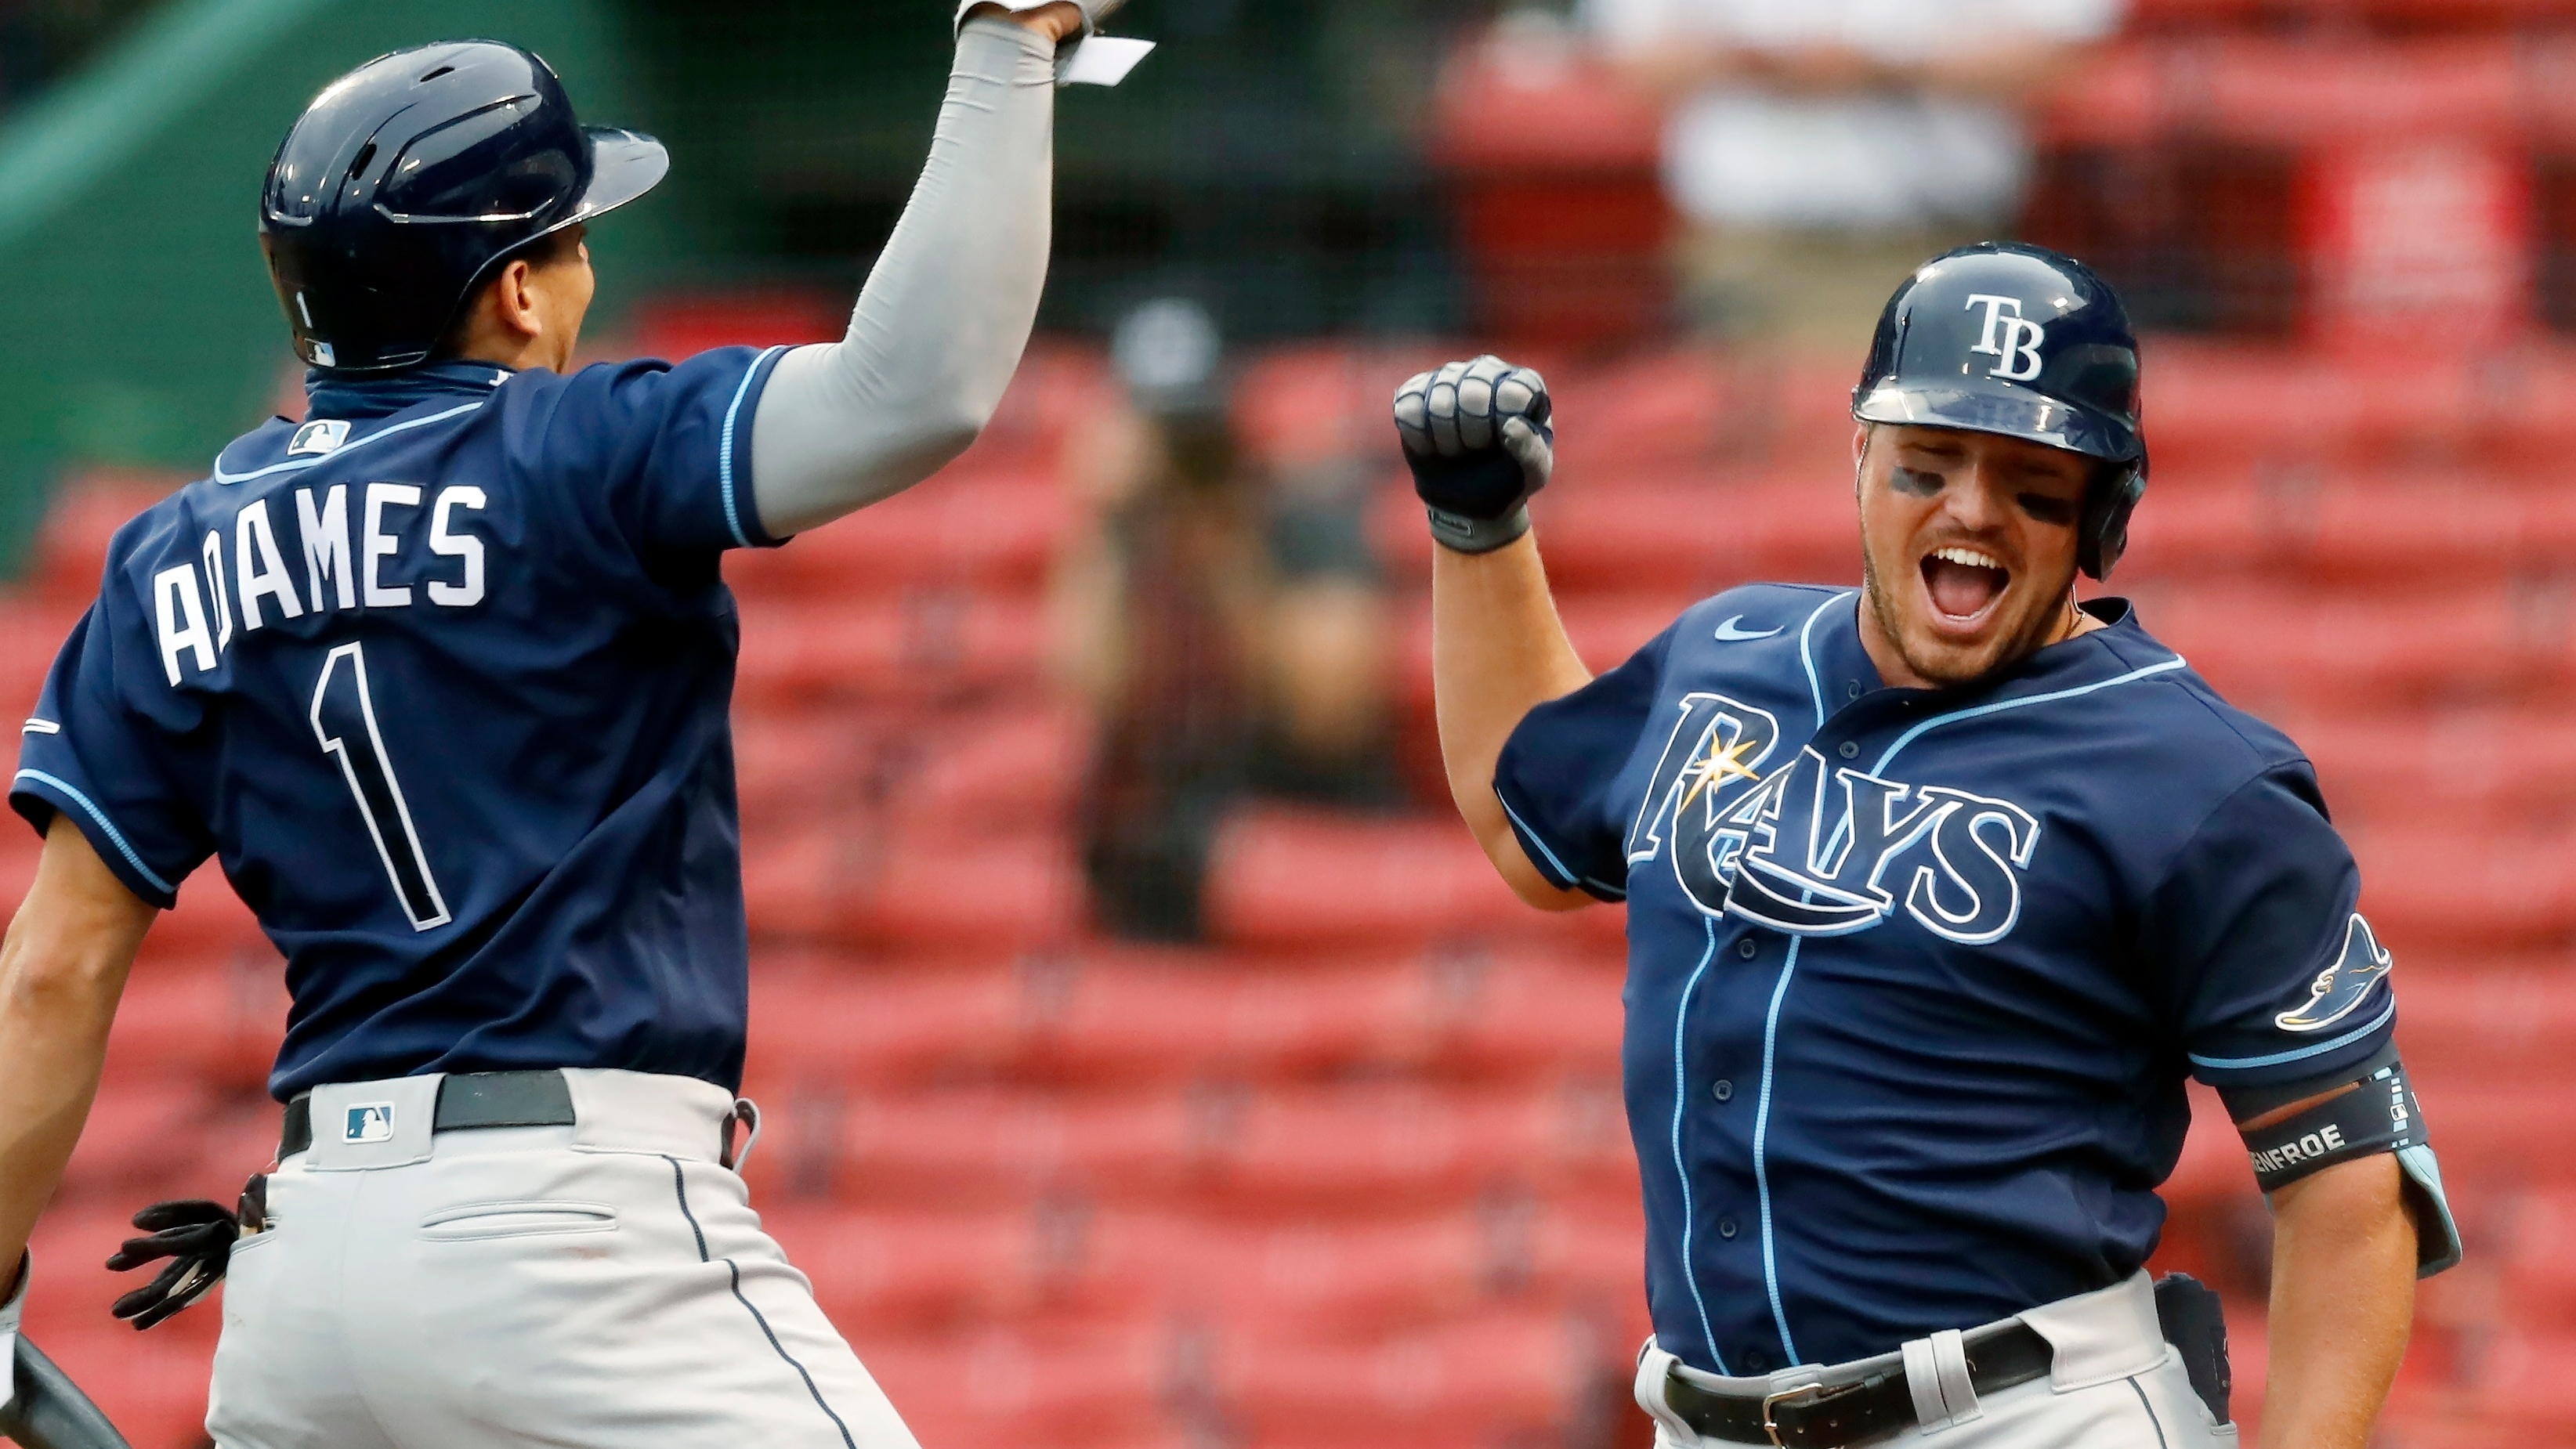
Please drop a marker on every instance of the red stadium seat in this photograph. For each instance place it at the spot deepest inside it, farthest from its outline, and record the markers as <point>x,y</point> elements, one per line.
<point>1499,1377</point>
<point>2292,92</point>
<point>862,886</point>
<point>2537,1262</point>
<point>1000,770</point>
<point>2497,769</point>
<point>813,1026</point>
<point>1314,403</point>
<point>1088,1386</point>
<point>71,549</point>
<point>32,630</point>
<point>2520,1380</point>
<point>986,529</point>
<point>2463,887</point>
<point>142,1134</point>
<point>1281,875</point>
<point>2487,1027</point>
<point>920,645</point>
<point>1101,1015</point>
<point>216,1020</point>
<point>1377,1148</point>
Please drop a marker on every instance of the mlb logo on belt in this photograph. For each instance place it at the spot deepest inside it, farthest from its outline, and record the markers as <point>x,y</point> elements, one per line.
<point>369,1122</point>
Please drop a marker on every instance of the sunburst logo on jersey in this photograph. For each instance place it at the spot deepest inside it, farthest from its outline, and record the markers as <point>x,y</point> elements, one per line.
<point>1715,765</point>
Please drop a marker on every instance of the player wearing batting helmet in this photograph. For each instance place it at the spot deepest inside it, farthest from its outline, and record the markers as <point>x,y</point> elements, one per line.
<point>442,674</point>
<point>1938,889</point>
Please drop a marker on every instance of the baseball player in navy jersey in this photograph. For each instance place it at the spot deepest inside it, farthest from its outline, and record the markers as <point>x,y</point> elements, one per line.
<point>441,674</point>
<point>1938,889</point>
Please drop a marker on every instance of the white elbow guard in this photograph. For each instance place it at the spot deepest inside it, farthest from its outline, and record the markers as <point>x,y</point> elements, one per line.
<point>1080,61</point>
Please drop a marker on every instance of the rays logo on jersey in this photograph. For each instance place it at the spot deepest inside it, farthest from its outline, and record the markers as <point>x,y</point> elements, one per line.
<point>1819,850</point>
<point>2343,986</point>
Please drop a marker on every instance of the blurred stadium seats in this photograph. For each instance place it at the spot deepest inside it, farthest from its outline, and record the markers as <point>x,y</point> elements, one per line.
<point>1355,1172</point>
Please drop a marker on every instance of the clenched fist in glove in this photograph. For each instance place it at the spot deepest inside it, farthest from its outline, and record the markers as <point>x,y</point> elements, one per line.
<point>1477,439</point>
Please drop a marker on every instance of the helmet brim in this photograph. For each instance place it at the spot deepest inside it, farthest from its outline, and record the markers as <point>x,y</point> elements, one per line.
<point>623,166</point>
<point>2010,411</point>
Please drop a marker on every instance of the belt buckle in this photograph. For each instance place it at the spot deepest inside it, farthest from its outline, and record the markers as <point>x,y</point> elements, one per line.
<point>1770,1426</point>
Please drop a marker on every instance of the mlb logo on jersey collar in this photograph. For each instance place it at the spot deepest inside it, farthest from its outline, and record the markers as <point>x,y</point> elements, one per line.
<point>369,1122</point>
<point>316,438</point>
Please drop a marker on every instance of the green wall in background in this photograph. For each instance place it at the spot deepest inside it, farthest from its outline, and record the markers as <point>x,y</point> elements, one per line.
<point>138,327</point>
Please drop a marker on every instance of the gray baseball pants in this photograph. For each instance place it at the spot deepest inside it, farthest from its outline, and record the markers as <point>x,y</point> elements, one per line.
<point>602,1284</point>
<point>2114,1383</point>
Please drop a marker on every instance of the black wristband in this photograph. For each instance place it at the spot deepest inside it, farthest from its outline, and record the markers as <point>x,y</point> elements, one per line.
<point>2377,1115</point>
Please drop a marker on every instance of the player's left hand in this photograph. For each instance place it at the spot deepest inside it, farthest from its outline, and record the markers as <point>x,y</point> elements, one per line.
<point>1476,435</point>
<point>196,1236</point>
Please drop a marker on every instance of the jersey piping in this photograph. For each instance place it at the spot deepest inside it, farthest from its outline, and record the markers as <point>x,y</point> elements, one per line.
<point>2302,1053</point>
<point>1910,736</point>
<point>113,834</point>
<point>1681,1172</point>
<point>1761,1134</point>
<point>1807,653</point>
<point>295,464</point>
<point>1554,863</point>
<point>724,451</point>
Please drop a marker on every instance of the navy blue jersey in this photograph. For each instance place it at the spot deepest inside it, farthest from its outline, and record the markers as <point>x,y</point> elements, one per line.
<point>1915,977</point>
<point>442,674</point>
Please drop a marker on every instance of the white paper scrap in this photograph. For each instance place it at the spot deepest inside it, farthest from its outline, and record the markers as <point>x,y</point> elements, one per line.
<point>1102,60</point>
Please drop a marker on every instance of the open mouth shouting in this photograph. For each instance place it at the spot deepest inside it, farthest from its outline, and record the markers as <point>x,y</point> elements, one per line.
<point>1965,584</point>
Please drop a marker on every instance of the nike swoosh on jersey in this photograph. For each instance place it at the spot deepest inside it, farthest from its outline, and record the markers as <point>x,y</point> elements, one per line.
<point>1730,633</point>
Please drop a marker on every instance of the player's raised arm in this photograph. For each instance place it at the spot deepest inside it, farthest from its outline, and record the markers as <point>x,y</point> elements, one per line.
<point>1477,438</point>
<point>947,310</point>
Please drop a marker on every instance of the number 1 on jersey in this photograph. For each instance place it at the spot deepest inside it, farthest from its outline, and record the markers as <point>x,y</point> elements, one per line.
<point>344,720</point>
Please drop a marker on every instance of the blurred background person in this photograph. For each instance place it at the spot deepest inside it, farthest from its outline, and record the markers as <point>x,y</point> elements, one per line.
<point>1820,150</point>
<point>1226,629</point>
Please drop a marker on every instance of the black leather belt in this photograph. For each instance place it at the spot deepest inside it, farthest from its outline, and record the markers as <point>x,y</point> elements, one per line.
<point>1816,1417</point>
<point>465,1100</point>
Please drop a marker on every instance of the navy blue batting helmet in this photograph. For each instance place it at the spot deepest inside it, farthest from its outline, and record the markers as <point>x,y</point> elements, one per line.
<point>2003,337</point>
<point>408,180</point>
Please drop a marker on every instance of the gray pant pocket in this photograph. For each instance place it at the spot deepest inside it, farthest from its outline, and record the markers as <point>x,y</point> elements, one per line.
<point>516,1218</point>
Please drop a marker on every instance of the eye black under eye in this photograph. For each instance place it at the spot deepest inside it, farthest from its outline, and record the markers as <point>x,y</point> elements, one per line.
<point>1915,481</point>
<point>2047,509</point>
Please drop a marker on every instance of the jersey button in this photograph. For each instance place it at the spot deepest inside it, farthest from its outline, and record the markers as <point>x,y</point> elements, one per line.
<point>1852,690</point>
<point>1726,1227</point>
<point>1850,749</point>
<point>1757,1362</point>
<point>1722,1089</point>
<point>1748,948</point>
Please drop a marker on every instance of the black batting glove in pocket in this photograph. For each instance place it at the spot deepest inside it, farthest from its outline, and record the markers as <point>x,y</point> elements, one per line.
<point>196,1236</point>
<point>1476,436</point>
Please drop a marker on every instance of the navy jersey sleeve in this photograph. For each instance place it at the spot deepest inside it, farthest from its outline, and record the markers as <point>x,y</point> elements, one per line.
<point>2258,932</point>
<point>1558,776</point>
<point>653,459</point>
<point>101,750</point>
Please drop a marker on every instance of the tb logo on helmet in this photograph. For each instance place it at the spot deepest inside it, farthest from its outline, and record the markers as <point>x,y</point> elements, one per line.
<point>2017,350</point>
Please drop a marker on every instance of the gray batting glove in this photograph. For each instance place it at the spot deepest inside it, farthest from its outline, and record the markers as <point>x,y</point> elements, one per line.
<point>1476,436</point>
